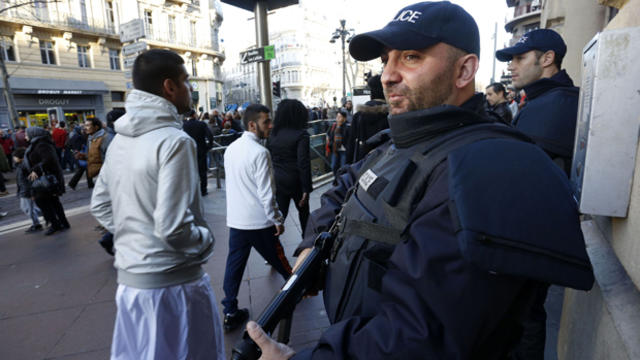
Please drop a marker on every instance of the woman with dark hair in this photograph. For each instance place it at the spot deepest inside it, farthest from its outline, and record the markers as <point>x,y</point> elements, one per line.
<point>289,147</point>
<point>41,159</point>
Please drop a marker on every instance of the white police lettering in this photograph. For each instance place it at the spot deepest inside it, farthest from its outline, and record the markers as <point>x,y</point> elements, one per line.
<point>523,39</point>
<point>367,179</point>
<point>409,16</point>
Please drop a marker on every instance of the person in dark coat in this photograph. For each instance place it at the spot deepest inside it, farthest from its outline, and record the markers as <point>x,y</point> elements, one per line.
<point>42,160</point>
<point>337,137</point>
<point>370,119</point>
<point>550,112</point>
<point>405,278</point>
<point>200,132</point>
<point>549,117</point>
<point>24,192</point>
<point>289,147</point>
<point>497,105</point>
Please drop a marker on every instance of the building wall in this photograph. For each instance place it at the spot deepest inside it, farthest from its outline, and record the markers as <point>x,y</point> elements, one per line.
<point>603,323</point>
<point>62,24</point>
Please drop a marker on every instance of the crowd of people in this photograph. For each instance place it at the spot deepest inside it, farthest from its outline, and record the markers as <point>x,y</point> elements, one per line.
<point>436,195</point>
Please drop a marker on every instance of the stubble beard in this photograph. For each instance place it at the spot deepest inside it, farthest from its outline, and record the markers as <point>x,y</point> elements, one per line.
<point>426,96</point>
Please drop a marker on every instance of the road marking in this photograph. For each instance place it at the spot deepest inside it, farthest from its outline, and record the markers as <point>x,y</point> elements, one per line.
<point>23,225</point>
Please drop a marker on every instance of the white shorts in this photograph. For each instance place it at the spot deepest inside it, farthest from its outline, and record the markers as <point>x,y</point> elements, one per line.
<point>176,322</point>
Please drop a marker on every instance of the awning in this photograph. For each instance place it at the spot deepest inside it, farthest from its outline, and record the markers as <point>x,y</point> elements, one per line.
<point>40,86</point>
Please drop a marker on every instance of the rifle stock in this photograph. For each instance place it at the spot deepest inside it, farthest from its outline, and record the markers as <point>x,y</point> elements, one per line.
<point>284,302</point>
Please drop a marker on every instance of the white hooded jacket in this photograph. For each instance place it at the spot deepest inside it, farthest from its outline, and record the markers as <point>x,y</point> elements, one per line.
<point>147,196</point>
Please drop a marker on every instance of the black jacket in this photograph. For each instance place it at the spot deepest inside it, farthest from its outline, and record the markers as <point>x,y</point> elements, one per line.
<point>291,162</point>
<point>43,159</point>
<point>500,112</point>
<point>434,304</point>
<point>370,119</point>
<point>200,132</point>
<point>549,116</point>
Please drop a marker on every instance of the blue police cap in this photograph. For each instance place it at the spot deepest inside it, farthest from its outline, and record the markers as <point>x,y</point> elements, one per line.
<point>420,26</point>
<point>541,39</point>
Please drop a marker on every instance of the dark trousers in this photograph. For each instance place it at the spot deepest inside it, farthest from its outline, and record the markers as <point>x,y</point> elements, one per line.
<point>3,188</point>
<point>52,210</point>
<point>202,171</point>
<point>534,329</point>
<point>240,244</point>
<point>283,199</point>
<point>77,175</point>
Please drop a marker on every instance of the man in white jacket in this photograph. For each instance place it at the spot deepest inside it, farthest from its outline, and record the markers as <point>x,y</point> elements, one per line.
<point>147,196</point>
<point>253,217</point>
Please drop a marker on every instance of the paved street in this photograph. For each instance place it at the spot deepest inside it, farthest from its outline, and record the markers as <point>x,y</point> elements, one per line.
<point>57,299</point>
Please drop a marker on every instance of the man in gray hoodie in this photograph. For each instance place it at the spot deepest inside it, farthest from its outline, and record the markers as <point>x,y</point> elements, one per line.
<point>147,196</point>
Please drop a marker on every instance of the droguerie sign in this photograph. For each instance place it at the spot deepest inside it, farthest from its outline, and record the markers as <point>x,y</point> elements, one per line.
<point>53,102</point>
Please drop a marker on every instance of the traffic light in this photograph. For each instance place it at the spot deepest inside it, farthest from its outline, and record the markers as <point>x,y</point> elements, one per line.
<point>276,88</point>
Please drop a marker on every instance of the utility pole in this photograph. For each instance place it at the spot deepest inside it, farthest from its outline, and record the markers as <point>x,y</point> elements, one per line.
<point>264,68</point>
<point>495,44</point>
<point>345,36</point>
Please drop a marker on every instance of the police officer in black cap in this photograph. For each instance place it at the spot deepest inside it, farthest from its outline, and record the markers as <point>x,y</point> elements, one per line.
<point>447,230</point>
<point>550,113</point>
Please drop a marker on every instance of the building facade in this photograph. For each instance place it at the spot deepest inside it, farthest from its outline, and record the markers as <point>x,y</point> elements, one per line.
<point>307,65</point>
<point>68,54</point>
<point>526,17</point>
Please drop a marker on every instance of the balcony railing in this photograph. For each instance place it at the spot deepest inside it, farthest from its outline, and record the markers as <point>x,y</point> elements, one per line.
<point>44,16</point>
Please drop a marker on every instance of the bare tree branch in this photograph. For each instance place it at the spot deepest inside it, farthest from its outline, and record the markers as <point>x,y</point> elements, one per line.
<point>28,3</point>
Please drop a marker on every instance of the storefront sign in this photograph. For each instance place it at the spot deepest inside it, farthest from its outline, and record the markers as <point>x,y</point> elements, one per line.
<point>53,102</point>
<point>59,92</point>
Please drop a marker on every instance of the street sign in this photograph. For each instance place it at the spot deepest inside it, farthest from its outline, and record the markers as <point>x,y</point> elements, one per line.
<point>131,30</point>
<point>127,74</point>
<point>269,52</point>
<point>128,62</point>
<point>134,48</point>
<point>260,54</point>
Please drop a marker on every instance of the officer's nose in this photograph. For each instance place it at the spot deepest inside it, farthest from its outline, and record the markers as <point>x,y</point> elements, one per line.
<point>390,74</point>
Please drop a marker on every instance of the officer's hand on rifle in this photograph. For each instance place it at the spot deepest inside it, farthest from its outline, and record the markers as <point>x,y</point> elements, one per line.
<point>271,350</point>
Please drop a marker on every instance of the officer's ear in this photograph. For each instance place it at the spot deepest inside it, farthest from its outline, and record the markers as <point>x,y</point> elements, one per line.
<point>547,59</point>
<point>466,69</point>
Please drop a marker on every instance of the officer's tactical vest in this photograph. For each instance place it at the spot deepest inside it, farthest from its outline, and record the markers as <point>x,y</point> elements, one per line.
<point>518,222</point>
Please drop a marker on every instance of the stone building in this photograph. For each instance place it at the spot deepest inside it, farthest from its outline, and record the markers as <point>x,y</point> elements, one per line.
<point>68,53</point>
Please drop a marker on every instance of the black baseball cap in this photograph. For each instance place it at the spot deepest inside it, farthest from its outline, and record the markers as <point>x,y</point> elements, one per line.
<point>420,26</point>
<point>541,39</point>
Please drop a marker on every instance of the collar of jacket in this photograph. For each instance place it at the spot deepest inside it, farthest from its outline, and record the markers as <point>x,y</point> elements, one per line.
<point>413,127</point>
<point>146,112</point>
<point>539,87</point>
<point>249,135</point>
<point>96,135</point>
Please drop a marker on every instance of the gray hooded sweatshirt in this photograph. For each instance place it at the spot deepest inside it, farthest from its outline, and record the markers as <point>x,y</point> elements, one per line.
<point>147,195</point>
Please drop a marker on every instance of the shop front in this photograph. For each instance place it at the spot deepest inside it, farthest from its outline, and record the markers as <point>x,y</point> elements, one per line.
<point>43,101</point>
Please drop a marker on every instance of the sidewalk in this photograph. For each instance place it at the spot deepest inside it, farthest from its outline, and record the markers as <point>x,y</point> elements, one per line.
<point>57,298</point>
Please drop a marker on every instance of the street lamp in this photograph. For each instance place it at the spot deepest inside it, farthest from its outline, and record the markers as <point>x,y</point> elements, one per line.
<point>345,35</point>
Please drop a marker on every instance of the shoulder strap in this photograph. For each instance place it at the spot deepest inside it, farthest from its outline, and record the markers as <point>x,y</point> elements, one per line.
<point>408,186</point>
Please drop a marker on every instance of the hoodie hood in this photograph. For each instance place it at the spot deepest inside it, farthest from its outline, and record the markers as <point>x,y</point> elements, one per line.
<point>146,112</point>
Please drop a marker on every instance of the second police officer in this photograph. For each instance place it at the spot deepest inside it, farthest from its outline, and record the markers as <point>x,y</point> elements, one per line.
<point>448,230</point>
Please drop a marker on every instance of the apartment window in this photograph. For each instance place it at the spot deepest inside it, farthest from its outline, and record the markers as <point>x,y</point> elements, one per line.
<point>148,22</point>
<point>46,53</point>
<point>6,49</point>
<point>194,67</point>
<point>41,11</point>
<point>172,28</point>
<point>114,59</point>
<point>111,19</point>
<point>192,37</point>
<point>83,56</point>
<point>531,27</point>
<point>117,96</point>
<point>83,11</point>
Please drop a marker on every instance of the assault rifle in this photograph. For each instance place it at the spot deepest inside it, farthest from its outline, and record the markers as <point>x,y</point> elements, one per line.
<point>281,307</point>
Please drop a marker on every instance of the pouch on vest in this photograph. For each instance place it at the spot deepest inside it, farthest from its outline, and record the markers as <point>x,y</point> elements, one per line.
<point>514,213</point>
